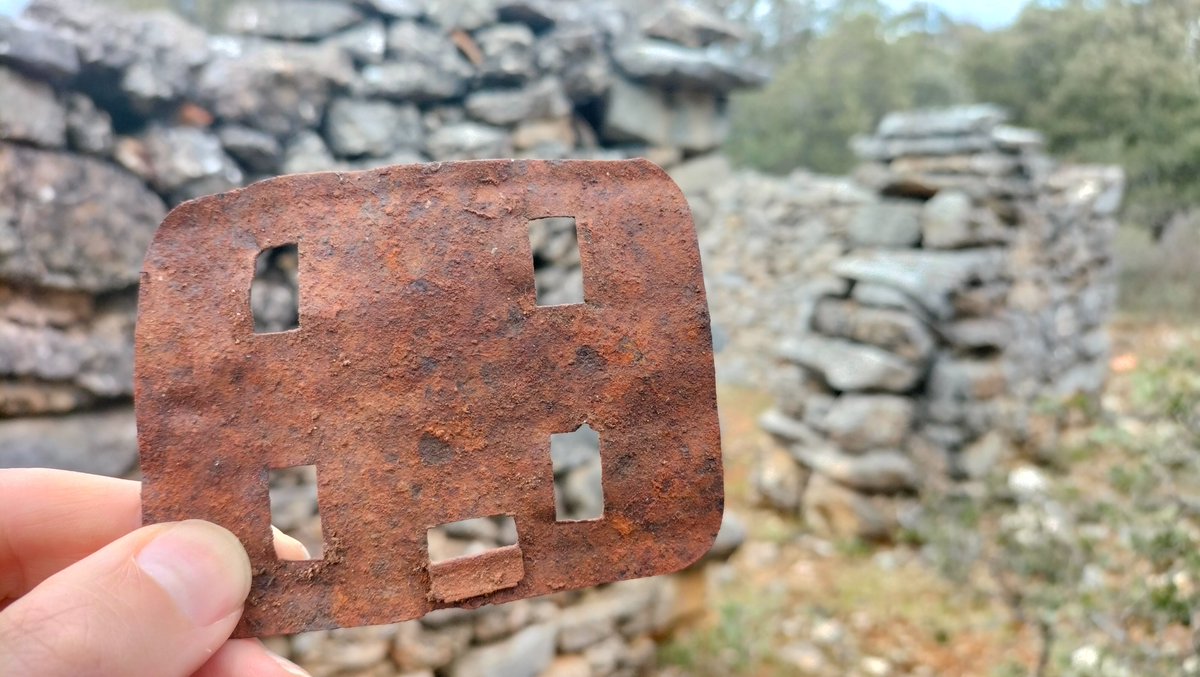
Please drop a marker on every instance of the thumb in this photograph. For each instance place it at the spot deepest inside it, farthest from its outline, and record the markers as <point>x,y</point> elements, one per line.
<point>157,602</point>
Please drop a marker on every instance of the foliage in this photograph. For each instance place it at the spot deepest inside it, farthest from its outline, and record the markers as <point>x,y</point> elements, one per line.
<point>1115,82</point>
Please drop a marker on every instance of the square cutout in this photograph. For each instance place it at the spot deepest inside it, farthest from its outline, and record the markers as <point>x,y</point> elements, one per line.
<point>473,558</point>
<point>295,508</point>
<point>557,268</point>
<point>578,475</point>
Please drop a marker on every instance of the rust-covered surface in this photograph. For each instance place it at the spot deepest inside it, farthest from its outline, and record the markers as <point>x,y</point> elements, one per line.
<point>424,382</point>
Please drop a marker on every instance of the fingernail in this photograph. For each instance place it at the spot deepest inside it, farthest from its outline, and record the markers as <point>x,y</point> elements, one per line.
<point>288,666</point>
<point>202,567</point>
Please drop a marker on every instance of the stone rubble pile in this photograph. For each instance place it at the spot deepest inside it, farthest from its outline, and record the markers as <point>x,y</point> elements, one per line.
<point>929,317</point>
<point>109,119</point>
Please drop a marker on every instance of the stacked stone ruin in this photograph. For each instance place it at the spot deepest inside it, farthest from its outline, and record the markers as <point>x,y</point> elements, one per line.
<point>109,119</point>
<point>945,308</point>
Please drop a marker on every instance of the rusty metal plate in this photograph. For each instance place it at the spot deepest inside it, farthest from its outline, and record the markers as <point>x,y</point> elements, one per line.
<point>424,382</point>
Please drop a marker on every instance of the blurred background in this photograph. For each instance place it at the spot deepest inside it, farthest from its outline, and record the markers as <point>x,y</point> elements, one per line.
<point>949,250</point>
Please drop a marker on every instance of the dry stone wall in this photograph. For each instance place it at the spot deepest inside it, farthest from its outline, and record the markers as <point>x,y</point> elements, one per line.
<point>918,323</point>
<point>109,119</point>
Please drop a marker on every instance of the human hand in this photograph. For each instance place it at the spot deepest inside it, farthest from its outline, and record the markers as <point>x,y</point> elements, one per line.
<point>86,590</point>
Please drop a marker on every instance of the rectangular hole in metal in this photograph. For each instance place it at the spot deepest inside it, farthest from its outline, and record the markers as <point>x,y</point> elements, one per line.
<point>473,558</point>
<point>295,512</point>
<point>557,269</point>
<point>275,292</point>
<point>470,537</point>
<point>578,483</point>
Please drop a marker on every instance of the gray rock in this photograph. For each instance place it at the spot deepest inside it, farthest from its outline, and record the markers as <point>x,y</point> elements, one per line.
<point>89,129</point>
<point>36,49</point>
<point>307,152</point>
<point>981,332</point>
<point>787,429</point>
<point>578,55</point>
<point>537,14</point>
<point>779,480</point>
<point>859,423</point>
<point>690,25</point>
<point>30,113</point>
<point>583,493</point>
<point>666,64</point>
<point>279,88</point>
<point>171,159</point>
<point>508,53</point>
<point>365,43</point>
<point>468,141</point>
<point>703,173</point>
<point>103,443</point>
<point>730,537</point>
<point>417,648</point>
<point>96,357</point>
<point>880,296</point>
<point>290,19</point>
<point>954,121</point>
<point>955,381</point>
<point>93,241</point>
<point>525,654</point>
<point>835,510</point>
<point>930,277</point>
<point>357,127</point>
<point>399,9</point>
<point>425,66</point>
<point>568,452</point>
<point>876,471</point>
<point>850,366</point>
<point>467,15</point>
<point>640,114</point>
<point>544,99</point>
<point>978,459</point>
<point>256,150</point>
<point>946,221</point>
<point>890,223</point>
<point>895,331</point>
<point>154,53</point>
<point>878,148</point>
<point>1018,139</point>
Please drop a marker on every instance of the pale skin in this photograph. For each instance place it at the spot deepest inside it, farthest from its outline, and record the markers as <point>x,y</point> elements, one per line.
<point>85,590</point>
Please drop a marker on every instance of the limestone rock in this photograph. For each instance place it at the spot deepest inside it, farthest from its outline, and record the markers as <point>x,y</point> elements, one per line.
<point>173,159</point>
<point>981,457</point>
<point>890,223</point>
<point>876,471</point>
<point>730,537</point>
<point>358,127</point>
<point>31,113</point>
<point>537,14</point>
<point>779,480</point>
<point>835,510</point>
<point>307,152</point>
<point>468,141</point>
<point>544,99</point>
<point>859,423</point>
<point>154,54</point>
<point>36,49</point>
<point>850,366</point>
<point>930,277</point>
<point>103,443</point>
<point>895,331</point>
<point>89,129</point>
<point>954,121</point>
<point>467,15</point>
<point>277,87</point>
<point>93,241</point>
<point>578,55</point>
<point>787,429</point>
<point>690,26</point>
<point>526,654</point>
<point>365,43</point>
<point>426,66</point>
<point>663,63</point>
<point>508,53</point>
<point>290,19</point>
<point>689,120</point>
<point>255,150</point>
<point>417,648</point>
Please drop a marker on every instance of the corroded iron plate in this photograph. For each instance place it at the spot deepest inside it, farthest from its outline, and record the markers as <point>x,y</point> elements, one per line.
<point>424,382</point>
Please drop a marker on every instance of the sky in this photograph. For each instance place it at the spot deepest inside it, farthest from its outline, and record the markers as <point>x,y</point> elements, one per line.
<point>987,13</point>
